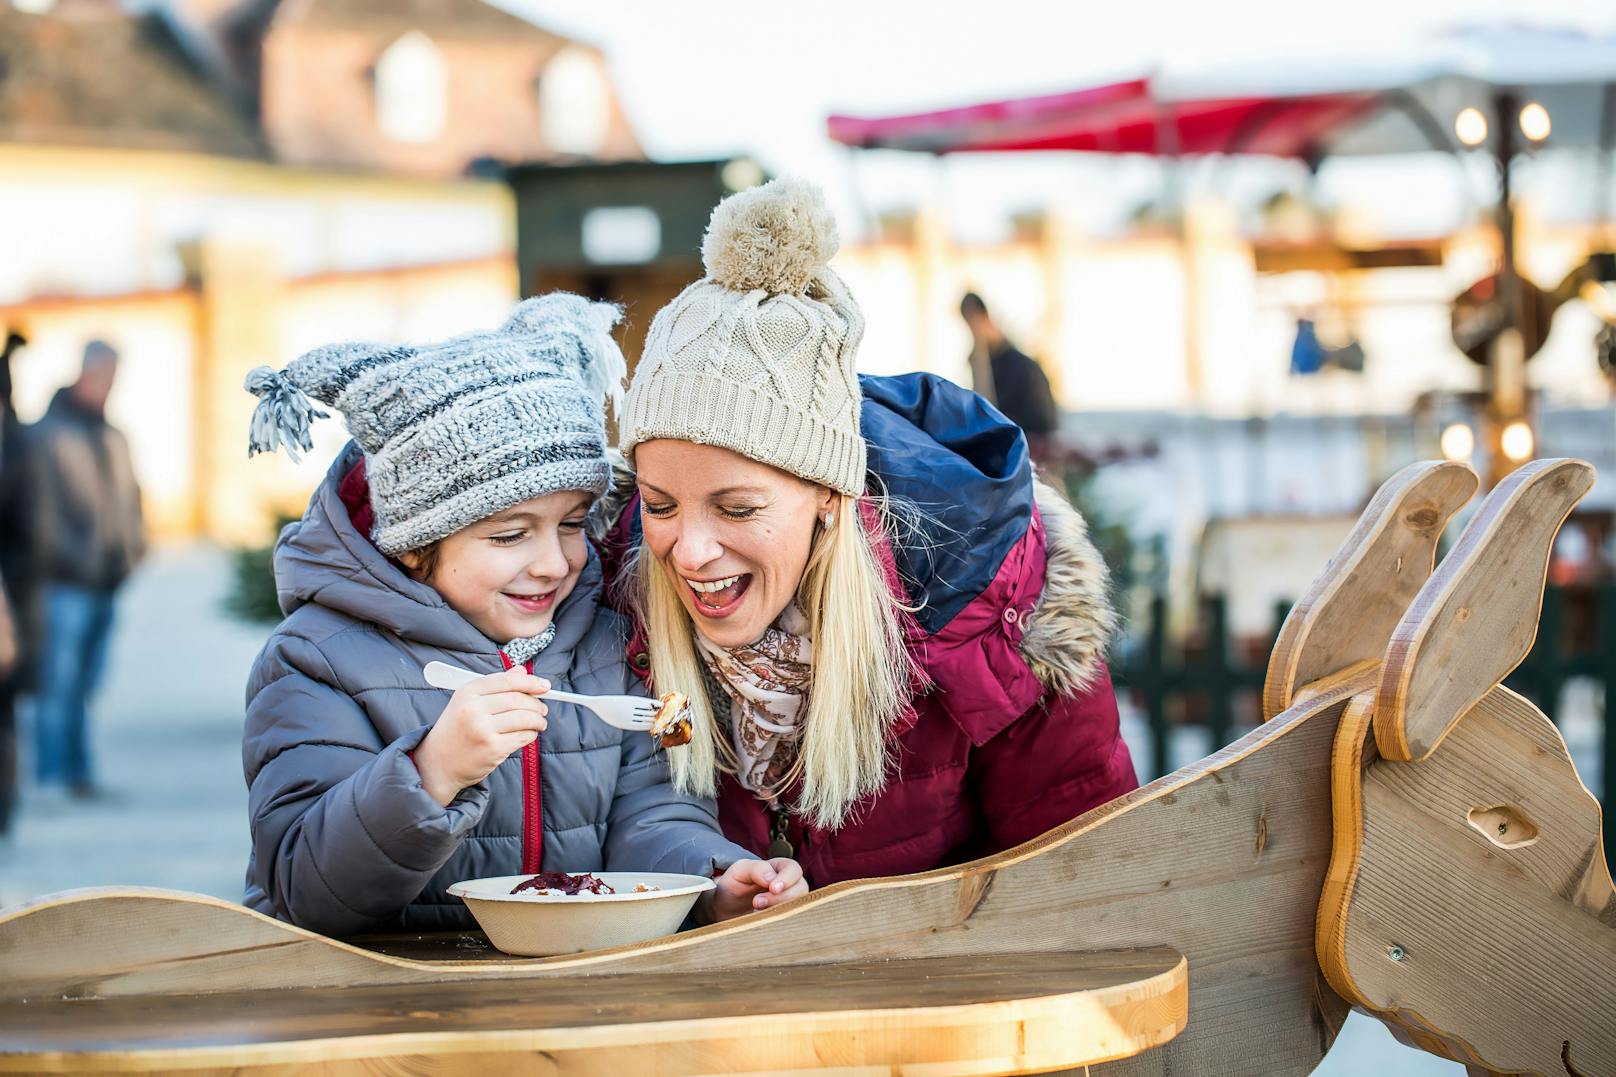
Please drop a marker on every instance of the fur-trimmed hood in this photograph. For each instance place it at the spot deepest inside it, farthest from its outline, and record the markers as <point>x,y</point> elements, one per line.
<point>1074,622</point>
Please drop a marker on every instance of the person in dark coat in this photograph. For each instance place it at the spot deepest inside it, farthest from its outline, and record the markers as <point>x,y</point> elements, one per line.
<point>1016,384</point>
<point>90,534</point>
<point>18,575</point>
<point>892,635</point>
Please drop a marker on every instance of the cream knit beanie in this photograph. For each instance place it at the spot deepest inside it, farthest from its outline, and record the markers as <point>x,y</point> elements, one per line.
<point>757,356</point>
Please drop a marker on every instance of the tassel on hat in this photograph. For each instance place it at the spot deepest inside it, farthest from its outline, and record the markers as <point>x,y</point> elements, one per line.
<point>282,416</point>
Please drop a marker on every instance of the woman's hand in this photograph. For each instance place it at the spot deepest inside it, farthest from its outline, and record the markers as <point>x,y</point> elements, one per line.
<point>484,723</point>
<point>752,884</point>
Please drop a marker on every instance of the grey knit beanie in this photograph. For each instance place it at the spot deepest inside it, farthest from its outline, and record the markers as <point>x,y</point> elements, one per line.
<point>758,355</point>
<point>456,431</point>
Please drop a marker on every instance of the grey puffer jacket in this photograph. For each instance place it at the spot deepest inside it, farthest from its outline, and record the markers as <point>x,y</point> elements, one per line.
<point>344,838</point>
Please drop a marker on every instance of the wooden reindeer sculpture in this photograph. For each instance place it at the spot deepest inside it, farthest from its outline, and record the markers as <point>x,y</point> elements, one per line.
<point>1402,835</point>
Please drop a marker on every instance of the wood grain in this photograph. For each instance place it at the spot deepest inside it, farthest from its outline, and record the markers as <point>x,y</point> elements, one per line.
<point>1222,862</point>
<point>1346,616</point>
<point>1348,613</point>
<point>1016,1013</point>
<point>1492,945</point>
<point>1353,751</point>
<point>1476,617</point>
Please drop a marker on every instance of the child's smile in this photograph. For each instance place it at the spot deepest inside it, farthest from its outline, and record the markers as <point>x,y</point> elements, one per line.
<point>507,574</point>
<point>532,603</point>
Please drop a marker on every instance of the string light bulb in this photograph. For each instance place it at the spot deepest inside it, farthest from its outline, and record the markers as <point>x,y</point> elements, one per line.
<point>1516,441</point>
<point>1535,122</point>
<point>1471,127</point>
<point>1458,442</point>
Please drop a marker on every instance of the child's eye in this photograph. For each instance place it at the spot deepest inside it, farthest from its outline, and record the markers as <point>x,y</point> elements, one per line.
<point>509,539</point>
<point>657,510</point>
<point>738,513</point>
<point>572,526</point>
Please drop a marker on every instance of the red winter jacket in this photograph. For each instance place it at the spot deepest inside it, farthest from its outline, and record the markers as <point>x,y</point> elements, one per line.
<point>1017,731</point>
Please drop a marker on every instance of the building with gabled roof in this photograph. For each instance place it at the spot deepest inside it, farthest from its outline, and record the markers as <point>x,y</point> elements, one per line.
<point>215,184</point>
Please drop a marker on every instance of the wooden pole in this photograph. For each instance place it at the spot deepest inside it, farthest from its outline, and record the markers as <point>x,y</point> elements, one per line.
<point>1506,365</point>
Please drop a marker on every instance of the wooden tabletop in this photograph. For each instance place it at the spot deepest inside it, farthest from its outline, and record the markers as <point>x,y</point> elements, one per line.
<point>434,946</point>
<point>1004,1014</point>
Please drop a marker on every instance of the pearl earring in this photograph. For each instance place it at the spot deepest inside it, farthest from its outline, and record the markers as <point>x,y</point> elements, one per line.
<point>830,518</point>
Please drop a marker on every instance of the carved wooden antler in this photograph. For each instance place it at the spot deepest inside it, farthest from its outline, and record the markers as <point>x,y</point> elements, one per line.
<point>1345,618</point>
<point>1474,623</point>
<point>1468,903</point>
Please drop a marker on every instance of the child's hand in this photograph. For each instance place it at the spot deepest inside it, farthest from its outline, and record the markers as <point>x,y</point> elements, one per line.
<point>752,884</point>
<point>484,723</point>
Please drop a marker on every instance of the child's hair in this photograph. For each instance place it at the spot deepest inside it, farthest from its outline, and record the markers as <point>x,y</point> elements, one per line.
<point>861,678</point>
<point>425,560</point>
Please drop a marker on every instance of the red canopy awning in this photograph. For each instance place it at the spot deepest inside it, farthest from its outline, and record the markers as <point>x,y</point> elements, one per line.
<point>1121,117</point>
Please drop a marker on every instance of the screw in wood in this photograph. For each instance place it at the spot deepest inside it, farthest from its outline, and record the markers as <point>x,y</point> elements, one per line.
<point>1395,953</point>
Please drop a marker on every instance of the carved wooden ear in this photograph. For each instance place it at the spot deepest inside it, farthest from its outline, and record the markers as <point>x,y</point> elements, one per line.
<point>1476,617</point>
<point>1349,612</point>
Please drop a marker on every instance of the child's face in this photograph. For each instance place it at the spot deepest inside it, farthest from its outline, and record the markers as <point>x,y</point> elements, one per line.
<point>508,574</point>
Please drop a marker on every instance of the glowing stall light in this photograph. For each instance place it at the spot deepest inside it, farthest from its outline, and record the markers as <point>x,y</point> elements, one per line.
<point>1535,122</point>
<point>1458,442</point>
<point>1471,127</point>
<point>1517,441</point>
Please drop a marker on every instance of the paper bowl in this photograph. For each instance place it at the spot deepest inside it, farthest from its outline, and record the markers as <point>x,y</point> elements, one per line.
<point>542,925</point>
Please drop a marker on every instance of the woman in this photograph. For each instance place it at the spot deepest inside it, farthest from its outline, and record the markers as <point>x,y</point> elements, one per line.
<point>891,634</point>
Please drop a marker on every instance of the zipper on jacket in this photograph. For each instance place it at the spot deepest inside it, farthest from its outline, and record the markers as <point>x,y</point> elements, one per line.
<point>532,800</point>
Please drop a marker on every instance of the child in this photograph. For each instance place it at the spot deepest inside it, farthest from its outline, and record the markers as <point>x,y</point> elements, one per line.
<point>452,529</point>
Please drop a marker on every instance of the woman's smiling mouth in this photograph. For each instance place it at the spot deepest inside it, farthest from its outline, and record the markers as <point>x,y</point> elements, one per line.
<point>718,598</point>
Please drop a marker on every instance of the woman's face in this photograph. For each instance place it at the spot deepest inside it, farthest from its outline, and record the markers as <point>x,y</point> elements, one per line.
<point>508,574</point>
<point>733,534</point>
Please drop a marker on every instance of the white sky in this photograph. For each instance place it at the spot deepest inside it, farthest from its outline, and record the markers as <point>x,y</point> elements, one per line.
<point>710,80</point>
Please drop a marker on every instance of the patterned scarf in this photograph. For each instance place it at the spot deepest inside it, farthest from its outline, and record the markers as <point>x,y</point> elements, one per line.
<point>767,683</point>
<point>522,651</point>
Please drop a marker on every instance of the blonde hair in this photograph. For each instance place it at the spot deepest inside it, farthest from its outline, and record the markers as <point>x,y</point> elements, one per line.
<point>859,686</point>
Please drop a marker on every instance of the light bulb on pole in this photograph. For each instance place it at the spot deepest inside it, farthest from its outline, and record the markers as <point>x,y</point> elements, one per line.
<point>1471,127</point>
<point>1516,441</point>
<point>1535,122</point>
<point>1458,442</point>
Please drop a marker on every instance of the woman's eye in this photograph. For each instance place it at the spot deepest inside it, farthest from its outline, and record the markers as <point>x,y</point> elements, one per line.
<point>657,510</point>
<point>738,513</point>
<point>508,539</point>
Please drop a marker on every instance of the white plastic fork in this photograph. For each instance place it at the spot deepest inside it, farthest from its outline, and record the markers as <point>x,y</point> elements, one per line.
<point>633,713</point>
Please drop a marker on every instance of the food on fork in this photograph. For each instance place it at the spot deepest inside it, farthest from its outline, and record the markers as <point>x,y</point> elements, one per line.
<point>561,882</point>
<point>671,726</point>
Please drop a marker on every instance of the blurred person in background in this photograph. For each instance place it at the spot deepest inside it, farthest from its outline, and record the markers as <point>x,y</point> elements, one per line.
<point>1007,377</point>
<point>90,536</point>
<point>18,625</point>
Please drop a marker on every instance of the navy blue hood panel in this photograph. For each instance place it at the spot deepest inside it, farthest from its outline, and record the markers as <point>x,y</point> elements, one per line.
<point>950,454</point>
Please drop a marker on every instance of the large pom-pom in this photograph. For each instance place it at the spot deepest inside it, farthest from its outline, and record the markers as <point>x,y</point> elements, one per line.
<point>775,237</point>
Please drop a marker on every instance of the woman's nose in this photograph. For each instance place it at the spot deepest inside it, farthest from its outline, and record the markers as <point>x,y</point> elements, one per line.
<point>694,548</point>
